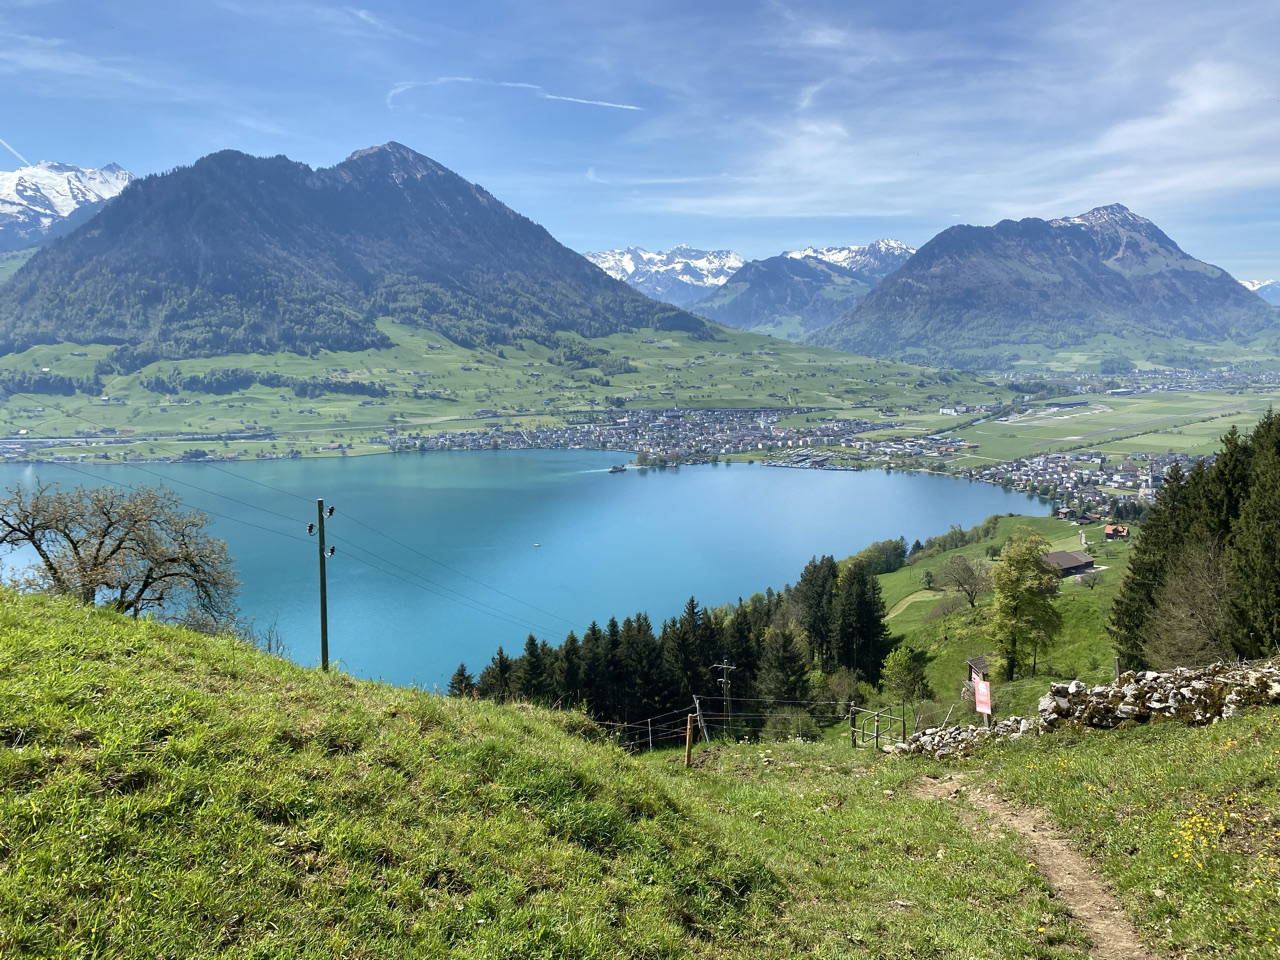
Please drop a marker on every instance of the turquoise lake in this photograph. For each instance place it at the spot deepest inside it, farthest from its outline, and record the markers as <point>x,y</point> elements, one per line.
<point>443,556</point>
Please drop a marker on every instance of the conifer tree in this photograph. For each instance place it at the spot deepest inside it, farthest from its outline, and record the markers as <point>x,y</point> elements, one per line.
<point>568,671</point>
<point>1157,547</point>
<point>529,678</point>
<point>1255,563</point>
<point>495,679</point>
<point>783,673</point>
<point>462,683</point>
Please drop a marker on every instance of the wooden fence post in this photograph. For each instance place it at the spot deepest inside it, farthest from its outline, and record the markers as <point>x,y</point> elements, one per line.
<point>688,742</point>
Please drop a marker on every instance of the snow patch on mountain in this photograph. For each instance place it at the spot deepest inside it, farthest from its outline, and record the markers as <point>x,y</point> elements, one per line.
<point>878,257</point>
<point>36,202</point>
<point>679,275</point>
<point>1268,290</point>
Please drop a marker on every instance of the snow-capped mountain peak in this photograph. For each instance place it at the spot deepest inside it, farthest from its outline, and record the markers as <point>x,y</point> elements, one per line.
<point>874,258</point>
<point>679,275</point>
<point>1268,290</point>
<point>37,201</point>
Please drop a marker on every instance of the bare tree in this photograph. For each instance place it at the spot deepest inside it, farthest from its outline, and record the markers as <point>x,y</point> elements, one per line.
<point>136,551</point>
<point>971,577</point>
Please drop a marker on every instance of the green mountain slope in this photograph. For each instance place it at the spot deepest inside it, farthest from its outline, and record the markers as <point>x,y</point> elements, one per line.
<point>240,254</point>
<point>971,290</point>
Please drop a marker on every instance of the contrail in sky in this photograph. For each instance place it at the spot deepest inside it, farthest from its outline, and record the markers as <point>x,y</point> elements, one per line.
<point>24,160</point>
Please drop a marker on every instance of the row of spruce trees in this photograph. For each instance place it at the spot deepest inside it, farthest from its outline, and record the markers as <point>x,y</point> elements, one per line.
<point>1204,576</point>
<point>832,620</point>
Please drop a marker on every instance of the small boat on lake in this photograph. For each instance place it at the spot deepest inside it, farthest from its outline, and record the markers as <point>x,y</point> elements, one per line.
<point>618,468</point>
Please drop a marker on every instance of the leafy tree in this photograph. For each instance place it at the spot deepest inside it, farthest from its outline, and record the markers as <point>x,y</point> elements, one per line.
<point>1023,616</point>
<point>137,551</point>
<point>970,577</point>
<point>1189,624</point>
<point>462,683</point>
<point>903,678</point>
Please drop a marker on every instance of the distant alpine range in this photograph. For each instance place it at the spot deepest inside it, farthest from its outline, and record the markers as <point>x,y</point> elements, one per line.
<point>237,254</point>
<point>47,200</point>
<point>787,295</point>
<point>241,254</point>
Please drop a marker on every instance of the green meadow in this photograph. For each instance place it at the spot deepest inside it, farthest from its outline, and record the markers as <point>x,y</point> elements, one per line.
<point>522,385</point>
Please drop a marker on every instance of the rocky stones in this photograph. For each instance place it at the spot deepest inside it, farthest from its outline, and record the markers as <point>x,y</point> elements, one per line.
<point>1198,696</point>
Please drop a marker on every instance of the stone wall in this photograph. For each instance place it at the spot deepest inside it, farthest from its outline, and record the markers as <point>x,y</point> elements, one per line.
<point>1193,695</point>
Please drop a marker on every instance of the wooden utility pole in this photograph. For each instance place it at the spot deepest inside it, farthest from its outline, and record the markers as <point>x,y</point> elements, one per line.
<point>317,530</point>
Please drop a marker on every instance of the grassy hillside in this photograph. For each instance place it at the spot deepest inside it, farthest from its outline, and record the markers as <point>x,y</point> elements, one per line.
<point>164,794</point>
<point>1083,650</point>
<point>10,262</point>
<point>1181,821</point>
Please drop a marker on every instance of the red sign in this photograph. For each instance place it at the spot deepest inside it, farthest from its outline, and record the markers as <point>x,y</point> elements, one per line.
<point>982,696</point>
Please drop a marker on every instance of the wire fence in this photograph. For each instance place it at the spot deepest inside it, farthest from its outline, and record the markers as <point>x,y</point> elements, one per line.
<point>718,719</point>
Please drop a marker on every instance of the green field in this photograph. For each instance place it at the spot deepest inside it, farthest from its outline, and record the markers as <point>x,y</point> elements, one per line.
<point>1151,352</point>
<point>1181,422</point>
<point>522,385</point>
<point>10,262</point>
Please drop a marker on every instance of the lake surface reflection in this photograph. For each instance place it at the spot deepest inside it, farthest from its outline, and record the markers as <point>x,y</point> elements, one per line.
<point>444,556</point>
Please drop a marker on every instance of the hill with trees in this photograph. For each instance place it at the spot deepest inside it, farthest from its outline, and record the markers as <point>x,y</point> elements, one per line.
<point>241,254</point>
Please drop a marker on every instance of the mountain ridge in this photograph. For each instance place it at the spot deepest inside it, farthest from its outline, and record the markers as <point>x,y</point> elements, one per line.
<point>1054,282</point>
<point>246,254</point>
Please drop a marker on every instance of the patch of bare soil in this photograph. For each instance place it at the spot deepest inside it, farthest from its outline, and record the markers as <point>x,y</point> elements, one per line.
<point>1083,891</point>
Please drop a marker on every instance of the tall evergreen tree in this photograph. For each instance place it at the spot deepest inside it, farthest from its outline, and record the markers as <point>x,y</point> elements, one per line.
<point>568,672</point>
<point>862,636</point>
<point>462,683</point>
<point>529,677</point>
<point>495,679</point>
<point>1157,547</point>
<point>783,673</point>
<point>1255,563</point>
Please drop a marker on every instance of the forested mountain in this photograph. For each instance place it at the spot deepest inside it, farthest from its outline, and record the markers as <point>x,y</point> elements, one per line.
<point>242,254</point>
<point>1054,282</point>
<point>1203,582</point>
<point>790,294</point>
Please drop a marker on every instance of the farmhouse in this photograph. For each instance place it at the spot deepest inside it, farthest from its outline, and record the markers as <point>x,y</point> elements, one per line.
<point>1068,563</point>
<point>1115,531</point>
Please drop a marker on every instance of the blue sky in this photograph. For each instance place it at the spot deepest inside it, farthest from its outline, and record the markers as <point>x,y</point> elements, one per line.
<point>756,126</point>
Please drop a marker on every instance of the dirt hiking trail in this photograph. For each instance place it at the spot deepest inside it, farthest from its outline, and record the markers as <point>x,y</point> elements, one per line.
<point>1083,891</point>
